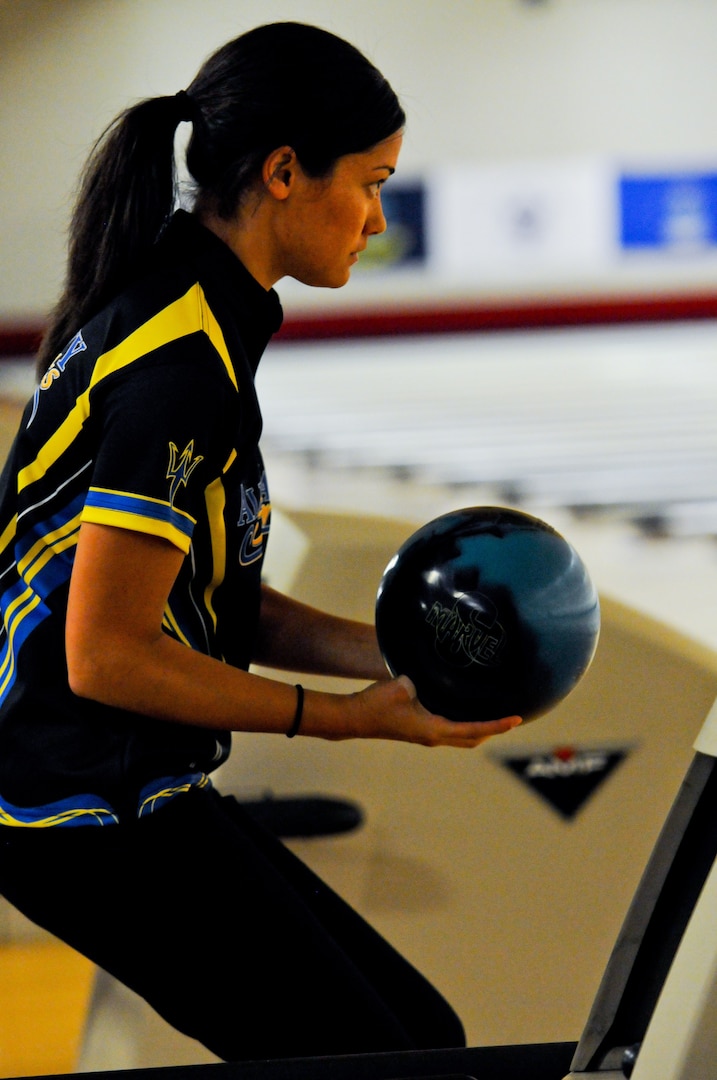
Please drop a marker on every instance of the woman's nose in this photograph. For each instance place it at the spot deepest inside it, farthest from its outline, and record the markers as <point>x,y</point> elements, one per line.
<point>376,221</point>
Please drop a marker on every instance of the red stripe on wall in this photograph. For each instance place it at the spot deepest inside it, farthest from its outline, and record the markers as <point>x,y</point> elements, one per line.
<point>22,340</point>
<point>19,340</point>
<point>474,318</point>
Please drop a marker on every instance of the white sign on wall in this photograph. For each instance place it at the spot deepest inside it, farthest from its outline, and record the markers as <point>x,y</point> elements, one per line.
<point>516,219</point>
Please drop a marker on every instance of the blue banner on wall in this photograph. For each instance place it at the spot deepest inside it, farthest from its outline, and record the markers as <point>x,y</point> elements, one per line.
<point>404,242</point>
<point>670,211</point>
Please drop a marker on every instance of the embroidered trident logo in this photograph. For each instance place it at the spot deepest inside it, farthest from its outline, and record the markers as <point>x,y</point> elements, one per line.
<point>181,467</point>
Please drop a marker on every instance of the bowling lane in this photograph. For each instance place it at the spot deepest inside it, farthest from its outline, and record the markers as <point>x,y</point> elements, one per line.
<point>608,433</point>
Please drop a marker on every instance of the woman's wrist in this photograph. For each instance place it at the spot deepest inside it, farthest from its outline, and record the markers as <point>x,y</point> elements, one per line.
<point>330,716</point>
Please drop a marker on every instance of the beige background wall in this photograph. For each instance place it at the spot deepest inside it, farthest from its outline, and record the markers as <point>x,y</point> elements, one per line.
<point>483,80</point>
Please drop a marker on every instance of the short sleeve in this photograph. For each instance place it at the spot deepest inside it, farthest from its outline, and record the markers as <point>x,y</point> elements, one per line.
<point>162,436</point>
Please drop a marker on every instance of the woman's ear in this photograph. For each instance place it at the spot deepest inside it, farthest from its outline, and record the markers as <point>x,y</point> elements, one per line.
<point>279,172</point>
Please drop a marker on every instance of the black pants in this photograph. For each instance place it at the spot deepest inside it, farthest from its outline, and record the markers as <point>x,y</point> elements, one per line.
<point>229,936</point>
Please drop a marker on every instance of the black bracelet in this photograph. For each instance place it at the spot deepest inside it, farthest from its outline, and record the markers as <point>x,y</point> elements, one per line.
<point>296,722</point>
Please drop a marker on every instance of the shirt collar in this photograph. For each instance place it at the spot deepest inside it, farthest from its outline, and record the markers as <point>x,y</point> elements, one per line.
<point>186,235</point>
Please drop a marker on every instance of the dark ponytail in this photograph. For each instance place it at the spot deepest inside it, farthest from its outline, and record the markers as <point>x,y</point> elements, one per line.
<point>126,197</point>
<point>284,84</point>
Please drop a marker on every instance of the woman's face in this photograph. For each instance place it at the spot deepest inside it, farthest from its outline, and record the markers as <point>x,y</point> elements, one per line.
<point>327,222</point>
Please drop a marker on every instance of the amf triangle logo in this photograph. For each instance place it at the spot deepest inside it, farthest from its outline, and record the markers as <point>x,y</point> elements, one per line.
<point>565,777</point>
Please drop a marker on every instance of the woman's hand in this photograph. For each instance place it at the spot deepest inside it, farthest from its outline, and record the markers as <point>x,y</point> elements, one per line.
<point>391,710</point>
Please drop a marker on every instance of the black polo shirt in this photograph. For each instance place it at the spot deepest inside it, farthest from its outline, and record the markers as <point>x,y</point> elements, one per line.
<point>148,421</point>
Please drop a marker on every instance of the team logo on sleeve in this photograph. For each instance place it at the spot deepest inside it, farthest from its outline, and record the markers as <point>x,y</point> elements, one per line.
<point>181,467</point>
<point>56,369</point>
<point>254,518</point>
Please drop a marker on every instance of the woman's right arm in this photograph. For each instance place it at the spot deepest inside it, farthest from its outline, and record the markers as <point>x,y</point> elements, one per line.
<point>118,654</point>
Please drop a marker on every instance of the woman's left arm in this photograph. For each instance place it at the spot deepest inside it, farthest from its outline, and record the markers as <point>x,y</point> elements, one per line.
<point>297,637</point>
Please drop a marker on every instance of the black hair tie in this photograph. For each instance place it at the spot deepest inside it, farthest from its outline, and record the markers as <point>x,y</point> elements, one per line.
<point>186,107</point>
<point>296,722</point>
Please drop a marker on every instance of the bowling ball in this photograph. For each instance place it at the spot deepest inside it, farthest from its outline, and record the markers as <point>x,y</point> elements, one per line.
<point>490,612</point>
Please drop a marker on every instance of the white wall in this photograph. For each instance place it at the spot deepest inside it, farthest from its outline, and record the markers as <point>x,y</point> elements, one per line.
<point>482,81</point>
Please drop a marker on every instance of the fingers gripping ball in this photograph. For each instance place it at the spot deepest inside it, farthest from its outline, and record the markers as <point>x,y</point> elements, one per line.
<point>490,612</point>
